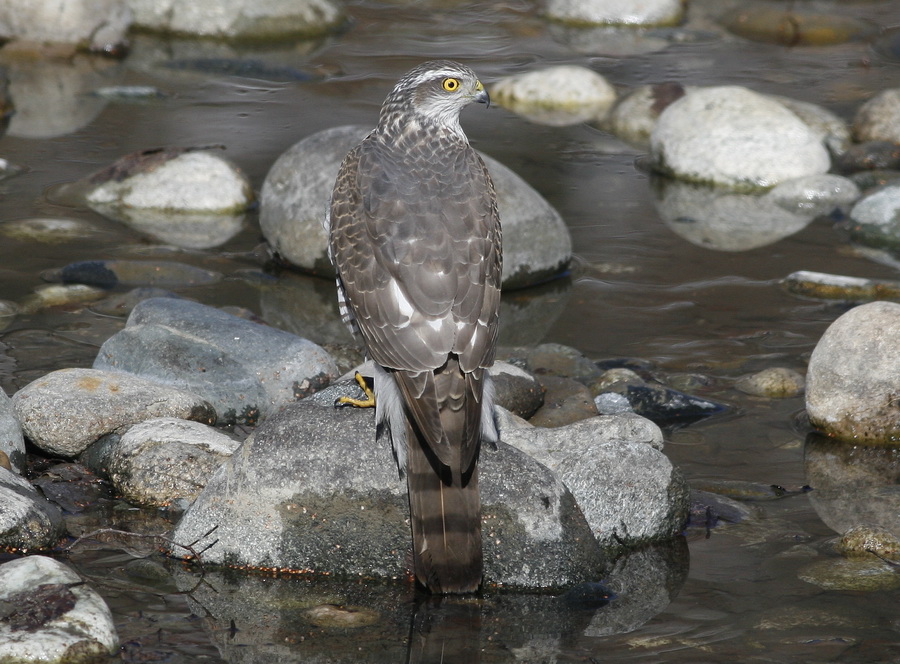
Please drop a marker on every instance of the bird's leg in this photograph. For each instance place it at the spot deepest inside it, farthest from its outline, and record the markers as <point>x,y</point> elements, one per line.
<point>368,402</point>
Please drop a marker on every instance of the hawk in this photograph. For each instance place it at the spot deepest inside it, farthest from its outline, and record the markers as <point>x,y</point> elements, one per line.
<point>415,240</point>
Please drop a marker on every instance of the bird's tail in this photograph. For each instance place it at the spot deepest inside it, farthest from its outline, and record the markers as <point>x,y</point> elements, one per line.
<point>445,514</point>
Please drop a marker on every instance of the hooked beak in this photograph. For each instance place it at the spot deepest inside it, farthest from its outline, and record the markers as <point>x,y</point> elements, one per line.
<point>481,95</point>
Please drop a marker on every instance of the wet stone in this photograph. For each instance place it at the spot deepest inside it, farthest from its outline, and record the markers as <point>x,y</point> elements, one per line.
<point>49,614</point>
<point>865,541</point>
<point>565,401</point>
<point>516,390</point>
<point>27,520</point>
<point>793,27</point>
<point>840,287</point>
<point>12,443</point>
<point>65,411</point>
<point>868,156</point>
<point>102,28</point>
<point>110,274</point>
<point>875,219</point>
<point>614,12</point>
<point>860,575</point>
<point>46,230</point>
<point>879,118</point>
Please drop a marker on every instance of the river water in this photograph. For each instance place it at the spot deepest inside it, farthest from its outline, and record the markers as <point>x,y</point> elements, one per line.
<point>641,287</point>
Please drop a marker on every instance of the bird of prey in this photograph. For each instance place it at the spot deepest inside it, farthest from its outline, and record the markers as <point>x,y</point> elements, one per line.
<point>415,240</point>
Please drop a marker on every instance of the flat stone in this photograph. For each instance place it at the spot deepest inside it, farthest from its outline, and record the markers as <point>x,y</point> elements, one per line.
<point>67,410</point>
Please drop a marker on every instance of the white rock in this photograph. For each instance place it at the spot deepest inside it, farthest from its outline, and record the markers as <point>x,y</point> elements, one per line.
<point>563,95</point>
<point>85,632</point>
<point>816,195</point>
<point>734,137</point>
<point>616,12</point>
<point>237,18</point>
<point>878,208</point>
<point>191,182</point>
<point>98,24</point>
<point>879,118</point>
<point>853,380</point>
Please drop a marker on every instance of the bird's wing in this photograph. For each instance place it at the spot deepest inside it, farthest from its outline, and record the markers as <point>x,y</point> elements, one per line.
<point>417,246</point>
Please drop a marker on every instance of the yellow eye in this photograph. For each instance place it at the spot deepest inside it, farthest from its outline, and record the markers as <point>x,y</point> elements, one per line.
<point>451,84</point>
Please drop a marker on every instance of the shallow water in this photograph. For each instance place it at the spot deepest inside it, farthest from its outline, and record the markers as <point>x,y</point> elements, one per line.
<point>640,288</point>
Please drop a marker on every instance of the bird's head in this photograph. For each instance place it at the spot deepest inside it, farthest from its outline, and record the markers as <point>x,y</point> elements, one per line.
<point>435,92</point>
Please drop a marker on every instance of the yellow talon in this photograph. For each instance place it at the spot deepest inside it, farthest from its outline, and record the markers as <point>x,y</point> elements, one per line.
<point>368,402</point>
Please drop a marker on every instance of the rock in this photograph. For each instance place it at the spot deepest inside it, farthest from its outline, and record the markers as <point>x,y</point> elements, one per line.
<point>555,360</point>
<point>879,118</point>
<point>733,137</point>
<point>47,230</point>
<point>610,403</point>
<point>856,575</point>
<point>516,390</point>
<point>245,19</point>
<point>864,541</point>
<point>839,287</point>
<point>244,369</point>
<point>67,410</point>
<point>815,195</point>
<point>565,401</point>
<point>558,96</point>
<point>536,242</point>
<point>311,490</point>
<point>851,383</point>
<point>98,25</point>
<point>12,443</point>
<point>55,617</point>
<point>634,116</point>
<point>875,219</point>
<point>647,13</point>
<point>834,130</point>
<point>161,460</point>
<point>629,491</point>
<point>775,383</point>
<point>869,156</point>
<point>114,273</point>
<point>172,180</point>
<point>54,295</point>
<point>27,520</point>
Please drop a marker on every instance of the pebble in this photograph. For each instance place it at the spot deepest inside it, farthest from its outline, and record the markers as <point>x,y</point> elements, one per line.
<point>27,521</point>
<point>557,96</point>
<point>774,383</point>
<point>244,19</point>
<point>565,401</point>
<point>60,295</point>
<point>244,369</point>
<point>161,460</point>
<point>793,26</point>
<point>879,118</point>
<point>46,230</point>
<point>51,615</point>
<point>102,25</point>
<point>634,116</point>
<point>113,273</point>
<point>637,13</point>
<point>536,241</point>
<point>731,136</point>
<point>851,389</point>
<point>65,411</point>
<point>855,575</point>
<point>869,156</point>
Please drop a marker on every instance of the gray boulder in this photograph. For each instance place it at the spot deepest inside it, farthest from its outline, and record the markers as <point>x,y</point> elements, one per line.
<point>629,491</point>
<point>311,490</point>
<point>852,379</point>
<point>27,520</point>
<point>100,25</point>
<point>83,630</point>
<point>65,411</point>
<point>244,369</point>
<point>296,191</point>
